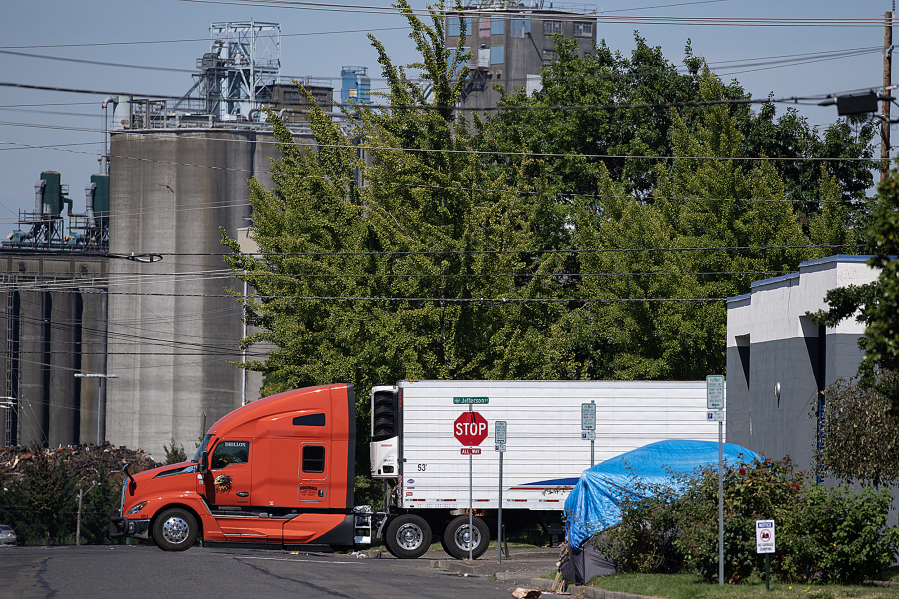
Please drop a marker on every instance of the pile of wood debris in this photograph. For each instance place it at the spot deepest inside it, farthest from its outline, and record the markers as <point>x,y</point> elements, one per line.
<point>82,460</point>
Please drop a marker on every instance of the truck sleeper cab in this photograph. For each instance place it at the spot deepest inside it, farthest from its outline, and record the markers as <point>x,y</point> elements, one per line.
<point>278,472</point>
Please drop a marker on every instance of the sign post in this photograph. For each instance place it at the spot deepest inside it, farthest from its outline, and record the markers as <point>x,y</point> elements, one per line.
<point>714,394</point>
<point>499,436</point>
<point>764,543</point>
<point>588,423</point>
<point>470,429</point>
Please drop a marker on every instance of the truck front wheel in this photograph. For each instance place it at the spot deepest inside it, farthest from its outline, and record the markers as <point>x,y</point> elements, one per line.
<point>457,538</point>
<point>175,530</point>
<point>408,536</point>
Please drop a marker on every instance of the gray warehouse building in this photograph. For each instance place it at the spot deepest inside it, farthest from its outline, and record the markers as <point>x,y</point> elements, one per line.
<point>771,342</point>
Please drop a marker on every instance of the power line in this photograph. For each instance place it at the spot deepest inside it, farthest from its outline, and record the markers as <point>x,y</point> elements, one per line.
<point>98,63</point>
<point>197,39</point>
<point>424,150</point>
<point>697,103</point>
<point>731,21</point>
<point>528,251</point>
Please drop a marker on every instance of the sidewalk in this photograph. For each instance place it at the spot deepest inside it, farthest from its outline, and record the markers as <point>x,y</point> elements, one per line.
<point>521,566</point>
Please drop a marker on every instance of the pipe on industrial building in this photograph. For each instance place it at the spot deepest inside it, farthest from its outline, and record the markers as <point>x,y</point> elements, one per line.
<point>104,160</point>
<point>39,196</point>
<point>89,191</point>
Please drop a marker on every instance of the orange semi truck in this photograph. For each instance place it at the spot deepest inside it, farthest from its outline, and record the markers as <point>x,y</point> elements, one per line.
<point>279,472</point>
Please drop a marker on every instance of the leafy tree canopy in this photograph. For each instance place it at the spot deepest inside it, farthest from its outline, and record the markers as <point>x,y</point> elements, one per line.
<point>428,260</point>
<point>628,141</point>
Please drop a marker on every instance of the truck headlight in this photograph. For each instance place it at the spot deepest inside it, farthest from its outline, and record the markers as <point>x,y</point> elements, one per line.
<point>136,509</point>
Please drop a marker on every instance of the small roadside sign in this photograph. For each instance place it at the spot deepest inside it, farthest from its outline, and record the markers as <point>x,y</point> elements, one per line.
<point>714,392</point>
<point>764,536</point>
<point>588,435</point>
<point>715,416</point>
<point>499,431</point>
<point>471,451</point>
<point>588,416</point>
<point>471,400</point>
<point>499,435</point>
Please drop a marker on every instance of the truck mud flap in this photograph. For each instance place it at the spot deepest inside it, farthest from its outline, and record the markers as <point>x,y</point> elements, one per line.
<point>342,535</point>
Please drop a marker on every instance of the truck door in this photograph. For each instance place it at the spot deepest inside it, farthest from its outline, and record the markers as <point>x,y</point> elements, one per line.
<point>313,474</point>
<point>229,481</point>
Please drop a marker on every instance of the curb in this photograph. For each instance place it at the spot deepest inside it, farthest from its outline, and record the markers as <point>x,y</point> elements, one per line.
<point>463,567</point>
<point>544,584</point>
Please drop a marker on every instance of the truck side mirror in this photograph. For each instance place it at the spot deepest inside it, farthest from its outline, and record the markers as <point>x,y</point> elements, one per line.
<point>204,462</point>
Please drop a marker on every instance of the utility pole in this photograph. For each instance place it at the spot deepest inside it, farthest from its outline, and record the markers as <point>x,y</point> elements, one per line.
<point>887,83</point>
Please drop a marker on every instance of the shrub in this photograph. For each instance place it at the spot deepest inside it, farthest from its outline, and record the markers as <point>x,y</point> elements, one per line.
<point>836,535</point>
<point>825,534</point>
<point>643,541</point>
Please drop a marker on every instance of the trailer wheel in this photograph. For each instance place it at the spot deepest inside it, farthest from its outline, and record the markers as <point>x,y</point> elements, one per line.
<point>175,530</point>
<point>408,536</point>
<point>457,538</point>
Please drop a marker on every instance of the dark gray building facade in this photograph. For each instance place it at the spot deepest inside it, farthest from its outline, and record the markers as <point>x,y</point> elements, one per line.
<point>772,344</point>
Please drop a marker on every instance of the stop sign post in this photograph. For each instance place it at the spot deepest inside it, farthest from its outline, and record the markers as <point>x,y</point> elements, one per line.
<point>470,428</point>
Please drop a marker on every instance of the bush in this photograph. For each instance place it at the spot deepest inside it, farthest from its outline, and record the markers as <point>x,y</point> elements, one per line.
<point>836,535</point>
<point>174,455</point>
<point>825,534</point>
<point>643,542</point>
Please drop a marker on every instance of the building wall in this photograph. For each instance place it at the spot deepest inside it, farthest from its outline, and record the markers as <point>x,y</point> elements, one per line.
<point>771,340</point>
<point>172,326</point>
<point>54,308</point>
<point>523,53</point>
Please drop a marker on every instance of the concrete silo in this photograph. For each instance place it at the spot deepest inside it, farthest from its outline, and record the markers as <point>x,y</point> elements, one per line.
<point>172,329</point>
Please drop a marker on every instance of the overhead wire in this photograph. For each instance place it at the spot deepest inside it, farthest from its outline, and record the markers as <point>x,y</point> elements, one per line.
<point>196,39</point>
<point>730,21</point>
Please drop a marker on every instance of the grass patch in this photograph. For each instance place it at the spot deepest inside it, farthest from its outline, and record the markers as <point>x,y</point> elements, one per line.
<point>688,586</point>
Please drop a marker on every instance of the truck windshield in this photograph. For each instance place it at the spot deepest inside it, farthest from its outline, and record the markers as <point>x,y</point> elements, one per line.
<point>201,448</point>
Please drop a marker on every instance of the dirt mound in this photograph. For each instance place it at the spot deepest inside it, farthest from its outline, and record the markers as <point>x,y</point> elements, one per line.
<point>82,460</point>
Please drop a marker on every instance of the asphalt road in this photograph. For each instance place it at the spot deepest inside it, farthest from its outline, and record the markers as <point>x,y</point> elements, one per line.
<point>145,572</point>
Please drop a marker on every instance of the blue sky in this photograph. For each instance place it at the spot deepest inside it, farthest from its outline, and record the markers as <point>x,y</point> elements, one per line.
<point>316,43</point>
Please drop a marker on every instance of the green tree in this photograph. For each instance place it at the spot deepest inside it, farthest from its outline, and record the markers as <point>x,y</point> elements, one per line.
<point>417,273</point>
<point>876,304</point>
<point>100,503</point>
<point>42,505</point>
<point>711,203</point>
<point>621,138</point>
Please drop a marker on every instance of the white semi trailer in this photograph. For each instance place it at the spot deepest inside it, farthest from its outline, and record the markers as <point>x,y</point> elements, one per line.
<point>421,453</point>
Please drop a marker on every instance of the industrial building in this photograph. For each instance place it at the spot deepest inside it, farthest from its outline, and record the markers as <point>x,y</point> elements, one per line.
<point>779,361</point>
<point>510,42</point>
<point>119,325</point>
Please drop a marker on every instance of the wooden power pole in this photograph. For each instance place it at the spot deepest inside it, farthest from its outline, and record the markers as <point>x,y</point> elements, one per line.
<point>887,83</point>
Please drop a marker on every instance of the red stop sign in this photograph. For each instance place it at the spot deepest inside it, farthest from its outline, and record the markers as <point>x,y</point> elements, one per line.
<point>470,428</point>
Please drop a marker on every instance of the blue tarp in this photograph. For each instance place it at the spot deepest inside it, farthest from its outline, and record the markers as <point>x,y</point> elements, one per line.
<point>593,503</point>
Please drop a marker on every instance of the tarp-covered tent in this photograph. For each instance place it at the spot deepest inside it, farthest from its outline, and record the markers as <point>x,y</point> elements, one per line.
<point>592,505</point>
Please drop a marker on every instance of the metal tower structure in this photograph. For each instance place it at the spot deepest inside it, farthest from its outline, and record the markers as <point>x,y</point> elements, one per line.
<point>243,56</point>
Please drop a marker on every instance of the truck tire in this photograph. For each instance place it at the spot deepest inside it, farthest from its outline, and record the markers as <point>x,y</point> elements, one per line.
<point>175,530</point>
<point>456,538</point>
<point>408,536</point>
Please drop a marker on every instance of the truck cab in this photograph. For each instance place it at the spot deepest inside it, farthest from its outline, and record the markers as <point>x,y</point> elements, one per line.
<point>278,472</point>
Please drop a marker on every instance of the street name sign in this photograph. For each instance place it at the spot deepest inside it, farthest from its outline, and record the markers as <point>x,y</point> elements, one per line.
<point>471,401</point>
